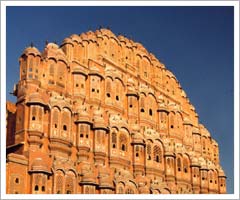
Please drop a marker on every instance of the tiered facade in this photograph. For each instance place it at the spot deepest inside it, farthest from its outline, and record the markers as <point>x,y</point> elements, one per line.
<point>100,114</point>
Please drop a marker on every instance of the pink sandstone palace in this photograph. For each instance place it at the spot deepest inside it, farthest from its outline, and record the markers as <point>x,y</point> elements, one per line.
<point>101,115</point>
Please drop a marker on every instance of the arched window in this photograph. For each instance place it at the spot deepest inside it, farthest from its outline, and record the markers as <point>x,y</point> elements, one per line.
<point>142,104</point>
<point>179,165</point>
<point>65,127</point>
<point>185,165</point>
<point>168,163</point>
<point>150,112</point>
<point>149,151</point>
<point>114,140</point>
<point>69,184</point>
<point>204,144</point>
<point>40,113</point>
<point>120,190</point>
<point>59,182</point>
<point>55,118</point>
<point>66,117</point>
<point>81,131</point>
<point>171,120</point>
<point>156,153</point>
<point>51,70</point>
<point>36,188</point>
<point>123,142</point>
<point>130,102</point>
<point>210,176</point>
<point>108,88</point>
<point>34,113</point>
<point>31,64</point>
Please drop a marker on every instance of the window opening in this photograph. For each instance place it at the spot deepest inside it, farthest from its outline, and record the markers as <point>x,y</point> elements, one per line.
<point>150,112</point>
<point>36,188</point>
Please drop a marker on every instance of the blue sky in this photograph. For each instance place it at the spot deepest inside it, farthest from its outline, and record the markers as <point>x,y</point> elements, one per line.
<point>195,43</point>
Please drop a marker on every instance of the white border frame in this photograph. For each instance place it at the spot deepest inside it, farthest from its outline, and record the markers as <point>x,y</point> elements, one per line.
<point>4,4</point>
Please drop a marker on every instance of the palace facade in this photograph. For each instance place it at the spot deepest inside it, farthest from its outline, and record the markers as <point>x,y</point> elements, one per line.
<point>100,114</point>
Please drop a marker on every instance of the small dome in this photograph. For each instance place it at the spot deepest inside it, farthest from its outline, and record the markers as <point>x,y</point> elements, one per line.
<point>52,46</point>
<point>214,142</point>
<point>83,36</point>
<point>186,120</point>
<point>31,50</point>
<point>67,41</point>
<point>107,32</point>
<point>121,38</point>
<point>204,131</point>
<point>221,173</point>
<point>75,37</point>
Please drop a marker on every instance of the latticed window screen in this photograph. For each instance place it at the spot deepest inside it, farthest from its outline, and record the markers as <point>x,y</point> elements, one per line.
<point>179,164</point>
<point>38,179</point>
<point>130,101</point>
<point>161,117</point>
<point>210,175</point>
<point>123,142</point>
<point>156,153</point>
<point>108,87</point>
<point>114,137</point>
<point>65,118</point>
<point>24,65</point>
<point>87,191</point>
<point>40,113</point>
<point>185,165</point>
<point>61,71</point>
<point>120,190</point>
<point>31,63</point>
<point>149,150</point>
<point>51,70</point>
<point>117,87</point>
<point>172,119</point>
<point>142,103</point>
<point>55,117</point>
<point>137,148</point>
<point>98,133</point>
<point>44,180</point>
<point>59,184</point>
<point>81,129</point>
<point>34,111</point>
<point>204,144</point>
<point>69,185</point>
